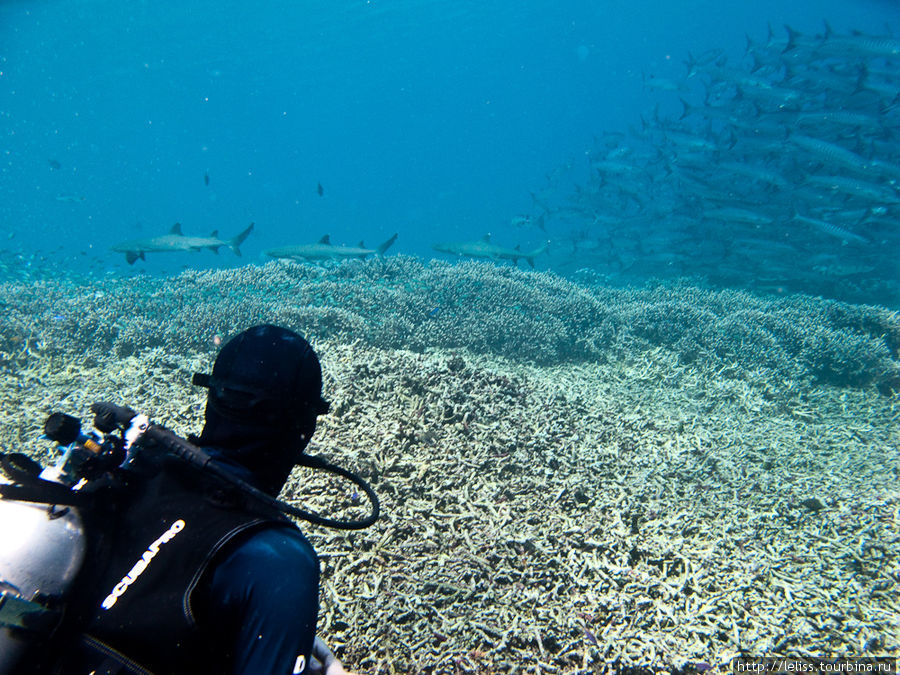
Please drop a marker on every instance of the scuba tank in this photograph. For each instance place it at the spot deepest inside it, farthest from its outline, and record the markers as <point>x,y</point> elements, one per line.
<point>42,536</point>
<point>41,551</point>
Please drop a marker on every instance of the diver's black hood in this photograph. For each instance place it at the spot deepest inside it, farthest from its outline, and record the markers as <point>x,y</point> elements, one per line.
<point>265,392</point>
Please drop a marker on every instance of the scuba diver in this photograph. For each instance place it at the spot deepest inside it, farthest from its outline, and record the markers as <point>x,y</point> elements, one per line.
<point>197,569</point>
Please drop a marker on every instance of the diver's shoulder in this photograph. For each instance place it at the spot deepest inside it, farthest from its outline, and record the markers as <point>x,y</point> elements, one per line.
<point>283,542</point>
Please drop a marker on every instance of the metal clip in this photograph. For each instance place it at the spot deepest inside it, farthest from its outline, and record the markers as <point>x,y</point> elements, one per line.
<point>139,425</point>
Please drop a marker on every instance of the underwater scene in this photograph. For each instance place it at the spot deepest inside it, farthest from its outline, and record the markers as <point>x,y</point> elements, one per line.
<point>606,296</point>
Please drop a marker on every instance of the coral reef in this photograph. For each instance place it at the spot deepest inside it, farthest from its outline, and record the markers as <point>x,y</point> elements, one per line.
<point>402,303</point>
<point>571,475</point>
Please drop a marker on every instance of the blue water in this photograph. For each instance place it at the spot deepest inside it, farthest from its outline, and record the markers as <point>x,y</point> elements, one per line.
<point>432,119</point>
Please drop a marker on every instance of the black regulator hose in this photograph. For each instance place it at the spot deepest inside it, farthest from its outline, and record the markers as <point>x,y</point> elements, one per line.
<point>319,462</point>
<point>111,415</point>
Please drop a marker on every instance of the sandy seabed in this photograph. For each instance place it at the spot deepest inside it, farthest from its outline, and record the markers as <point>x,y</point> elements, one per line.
<point>562,518</point>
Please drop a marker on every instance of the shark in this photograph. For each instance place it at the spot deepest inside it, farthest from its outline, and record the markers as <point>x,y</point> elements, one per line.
<point>325,250</point>
<point>483,248</point>
<point>176,241</point>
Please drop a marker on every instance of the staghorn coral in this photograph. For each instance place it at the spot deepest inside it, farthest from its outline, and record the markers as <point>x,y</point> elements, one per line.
<point>400,302</point>
<point>643,511</point>
<point>642,500</point>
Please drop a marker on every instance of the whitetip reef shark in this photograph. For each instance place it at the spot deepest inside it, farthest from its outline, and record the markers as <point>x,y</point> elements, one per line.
<point>176,241</point>
<point>325,250</point>
<point>483,248</point>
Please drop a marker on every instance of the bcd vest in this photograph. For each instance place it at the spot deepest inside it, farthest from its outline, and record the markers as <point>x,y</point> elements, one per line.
<point>139,579</point>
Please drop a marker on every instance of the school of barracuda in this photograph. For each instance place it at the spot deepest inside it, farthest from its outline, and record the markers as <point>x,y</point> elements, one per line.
<point>781,173</point>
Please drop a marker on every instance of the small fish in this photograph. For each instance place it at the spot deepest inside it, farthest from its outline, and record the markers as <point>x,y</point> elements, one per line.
<point>319,189</point>
<point>206,178</point>
<point>54,165</point>
<point>432,313</point>
<point>71,199</point>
